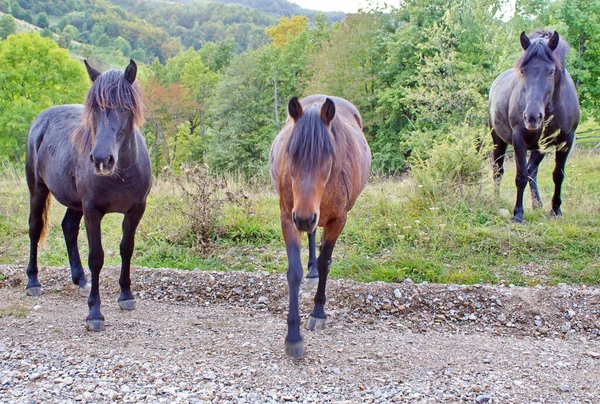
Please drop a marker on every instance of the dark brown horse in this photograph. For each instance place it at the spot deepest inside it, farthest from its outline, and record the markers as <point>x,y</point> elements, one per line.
<point>92,159</point>
<point>319,164</point>
<point>534,104</point>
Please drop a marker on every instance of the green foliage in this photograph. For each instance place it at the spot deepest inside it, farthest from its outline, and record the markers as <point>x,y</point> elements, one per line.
<point>36,74</point>
<point>453,167</point>
<point>8,26</point>
<point>42,20</point>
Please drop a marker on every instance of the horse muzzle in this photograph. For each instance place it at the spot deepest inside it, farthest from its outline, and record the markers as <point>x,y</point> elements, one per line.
<point>533,121</point>
<point>305,224</point>
<point>103,166</point>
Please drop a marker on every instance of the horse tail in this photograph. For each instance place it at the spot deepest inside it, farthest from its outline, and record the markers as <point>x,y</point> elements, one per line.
<point>45,219</point>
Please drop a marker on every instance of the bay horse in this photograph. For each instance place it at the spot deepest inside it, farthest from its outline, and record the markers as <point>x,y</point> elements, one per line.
<point>319,164</point>
<point>531,105</point>
<point>92,159</point>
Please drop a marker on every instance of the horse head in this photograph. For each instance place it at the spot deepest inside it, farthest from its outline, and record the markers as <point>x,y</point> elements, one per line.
<point>311,151</point>
<point>538,71</point>
<point>112,110</point>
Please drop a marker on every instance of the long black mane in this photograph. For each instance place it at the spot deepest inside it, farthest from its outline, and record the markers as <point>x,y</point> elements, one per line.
<point>110,90</point>
<point>539,49</point>
<point>310,142</point>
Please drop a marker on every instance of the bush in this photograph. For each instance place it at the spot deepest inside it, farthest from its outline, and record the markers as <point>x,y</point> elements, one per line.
<point>204,198</point>
<point>454,166</point>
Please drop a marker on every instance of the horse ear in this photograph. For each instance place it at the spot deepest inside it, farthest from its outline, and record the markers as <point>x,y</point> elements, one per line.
<point>93,73</point>
<point>328,111</point>
<point>525,42</point>
<point>295,109</point>
<point>131,71</point>
<point>553,41</point>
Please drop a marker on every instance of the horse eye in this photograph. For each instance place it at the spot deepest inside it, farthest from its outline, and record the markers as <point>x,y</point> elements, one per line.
<point>551,72</point>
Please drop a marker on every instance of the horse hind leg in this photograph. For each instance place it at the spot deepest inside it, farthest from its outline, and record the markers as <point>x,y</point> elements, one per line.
<point>39,211</point>
<point>313,274</point>
<point>330,235</point>
<point>498,160</point>
<point>70,226</point>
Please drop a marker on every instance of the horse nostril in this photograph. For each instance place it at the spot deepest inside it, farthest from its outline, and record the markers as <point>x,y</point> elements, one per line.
<point>314,220</point>
<point>91,158</point>
<point>110,161</point>
<point>540,116</point>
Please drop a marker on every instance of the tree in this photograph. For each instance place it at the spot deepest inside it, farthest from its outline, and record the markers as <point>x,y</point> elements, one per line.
<point>42,20</point>
<point>103,41</point>
<point>35,75</point>
<point>123,45</point>
<point>8,26</point>
<point>287,29</point>
<point>244,124</point>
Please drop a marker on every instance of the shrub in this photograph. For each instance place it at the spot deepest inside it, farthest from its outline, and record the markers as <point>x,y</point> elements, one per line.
<point>203,200</point>
<point>454,166</point>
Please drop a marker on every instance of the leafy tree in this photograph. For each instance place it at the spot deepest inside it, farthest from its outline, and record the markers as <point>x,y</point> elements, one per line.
<point>35,75</point>
<point>244,124</point>
<point>286,29</point>
<point>8,26</point>
<point>63,23</point>
<point>46,33</point>
<point>103,41</point>
<point>123,45</point>
<point>42,20</point>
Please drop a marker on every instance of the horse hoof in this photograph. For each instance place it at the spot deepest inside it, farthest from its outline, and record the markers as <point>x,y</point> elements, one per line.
<point>295,350</point>
<point>34,291</point>
<point>312,282</point>
<point>127,305</point>
<point>315,324</point>
<point>518,220</point>
<point>94,325</point>
<point>85,290</point>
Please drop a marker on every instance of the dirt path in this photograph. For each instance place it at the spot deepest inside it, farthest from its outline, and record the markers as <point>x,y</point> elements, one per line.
<point>218,337</point>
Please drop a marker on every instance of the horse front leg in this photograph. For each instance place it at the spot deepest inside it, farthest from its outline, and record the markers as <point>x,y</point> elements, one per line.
<point>312,257</point>
<point>331,233</point>
<point>521,177</point>
<point>93,218</point>
<point>558,175</point>
<point>38,216</point>
<point>532,170</point>
<point>70,226</point>
<point>294,346</point>
<point>130,223</point>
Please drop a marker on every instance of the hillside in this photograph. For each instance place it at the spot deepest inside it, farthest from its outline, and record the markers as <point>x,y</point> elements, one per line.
<point>149,29</point>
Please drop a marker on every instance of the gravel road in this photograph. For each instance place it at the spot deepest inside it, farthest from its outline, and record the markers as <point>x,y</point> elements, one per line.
<point>200,337</point>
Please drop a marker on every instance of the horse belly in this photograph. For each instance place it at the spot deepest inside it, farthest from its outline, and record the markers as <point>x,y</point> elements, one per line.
<point>56,171</point>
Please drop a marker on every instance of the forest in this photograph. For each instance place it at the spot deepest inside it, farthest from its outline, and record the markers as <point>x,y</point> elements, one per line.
<point>216,77</point>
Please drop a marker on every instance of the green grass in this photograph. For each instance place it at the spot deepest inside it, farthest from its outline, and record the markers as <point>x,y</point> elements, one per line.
<point>391,233</point>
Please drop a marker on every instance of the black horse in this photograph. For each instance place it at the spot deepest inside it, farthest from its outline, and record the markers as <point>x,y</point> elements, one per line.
<point>92,159</point>
<point>534,104</point>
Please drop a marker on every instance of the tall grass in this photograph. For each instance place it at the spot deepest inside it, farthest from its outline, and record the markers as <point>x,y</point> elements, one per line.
<point>396,229</point>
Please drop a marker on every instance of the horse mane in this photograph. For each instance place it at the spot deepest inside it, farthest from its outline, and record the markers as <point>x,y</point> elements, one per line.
<point>310,142</point>
<point>539,48</point>
<point>110,90</point>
